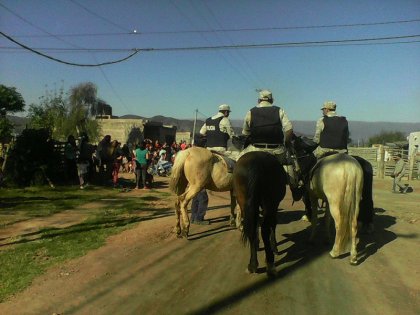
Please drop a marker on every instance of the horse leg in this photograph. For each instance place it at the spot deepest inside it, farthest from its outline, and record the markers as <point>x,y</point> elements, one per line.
<point>353,251</point>
<point>185,219</point>
<point>253,260</point>
<point>187,197</point>
<point>329,235</point>
<point>177,215</point>
<point>273,240</point>
<point>335,213</point>
<point>266,232</point>
<point>314,218</point>
<point>354,240</point>
<point>239,225</point>
<point>232,209</point>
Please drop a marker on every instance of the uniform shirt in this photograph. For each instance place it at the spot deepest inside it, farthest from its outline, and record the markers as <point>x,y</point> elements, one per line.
<point>287,125</point>
<point>224,125</point>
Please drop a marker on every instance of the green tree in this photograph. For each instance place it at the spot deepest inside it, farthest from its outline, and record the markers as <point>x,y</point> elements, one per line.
<point>64,115</point>
<point>387,136</point>
<point>83,101</point>
<point>11,101</point>
<point>50,113</point>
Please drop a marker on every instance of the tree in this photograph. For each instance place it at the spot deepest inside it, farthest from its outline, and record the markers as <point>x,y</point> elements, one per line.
<point>66,116</point>
<point>387,136</point>
<point>11,101</point>
<point>50,113</point>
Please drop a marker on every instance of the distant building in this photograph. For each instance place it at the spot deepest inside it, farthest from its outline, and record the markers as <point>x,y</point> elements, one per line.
<point>183,136</point>
<point>414,143</point>
<point>134,131</point>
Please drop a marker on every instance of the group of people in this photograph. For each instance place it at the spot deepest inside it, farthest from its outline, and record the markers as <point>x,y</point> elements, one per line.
<point>267,128</point>
<point>84,161</point>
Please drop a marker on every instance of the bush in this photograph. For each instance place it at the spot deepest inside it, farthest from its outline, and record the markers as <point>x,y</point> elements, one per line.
<point>32,157</point>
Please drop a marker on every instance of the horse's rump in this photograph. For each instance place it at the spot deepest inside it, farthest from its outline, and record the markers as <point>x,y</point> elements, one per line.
<point>259,183</point>
<point>178,182</point>
<point>338,179</point>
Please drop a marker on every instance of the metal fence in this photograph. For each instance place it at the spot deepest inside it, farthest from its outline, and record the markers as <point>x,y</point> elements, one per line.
<point>383,163</point>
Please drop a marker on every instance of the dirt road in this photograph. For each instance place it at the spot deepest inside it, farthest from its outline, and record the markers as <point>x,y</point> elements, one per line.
<point>147,270</point>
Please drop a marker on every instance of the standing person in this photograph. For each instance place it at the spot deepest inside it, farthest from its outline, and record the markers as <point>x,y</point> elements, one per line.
<point>102,154</point>
<point>399,172</point>
<point>70,154</point>
<point>417,159</point>
<point>218,130</point>
<point>116,165</point>
<point>332,131</point>
<point>83,159</point>
<point>141,157</point>
<point>268,129</point>
<point>199,207</point>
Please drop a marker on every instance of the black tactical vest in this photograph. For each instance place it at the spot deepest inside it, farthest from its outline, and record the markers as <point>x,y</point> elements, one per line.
<point>215,138</point>
<point>335,133</point>
<point>266,125</point>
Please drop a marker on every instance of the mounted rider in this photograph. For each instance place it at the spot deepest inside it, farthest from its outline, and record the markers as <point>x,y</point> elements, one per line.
<point>218,130</point>
<point>332,131</point>
<point>269,129</point>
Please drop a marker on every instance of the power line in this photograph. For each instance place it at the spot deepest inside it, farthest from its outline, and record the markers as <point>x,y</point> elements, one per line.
<point>220,30</point>
<point>99,16</point>
<point>339,42</point>
<point>66,62</point>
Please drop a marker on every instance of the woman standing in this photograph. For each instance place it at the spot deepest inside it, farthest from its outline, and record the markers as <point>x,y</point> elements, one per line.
<point>141,158</point>
<point>116,165</point>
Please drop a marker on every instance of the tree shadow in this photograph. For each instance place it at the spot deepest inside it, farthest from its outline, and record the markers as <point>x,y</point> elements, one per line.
<point>52,232</point>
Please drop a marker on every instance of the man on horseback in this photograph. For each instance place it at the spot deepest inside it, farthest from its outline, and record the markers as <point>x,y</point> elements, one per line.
<point>218,130</point>
<point>268,129</point>
<point>332,131</point>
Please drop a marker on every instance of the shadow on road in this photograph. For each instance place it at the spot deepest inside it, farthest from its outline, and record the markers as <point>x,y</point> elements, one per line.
<point>301,252</point>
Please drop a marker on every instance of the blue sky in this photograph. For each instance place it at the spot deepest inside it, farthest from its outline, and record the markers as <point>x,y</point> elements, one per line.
<point>378,82</point>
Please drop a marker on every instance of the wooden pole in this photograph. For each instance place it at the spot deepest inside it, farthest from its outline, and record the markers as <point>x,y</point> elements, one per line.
<point>381,162</point>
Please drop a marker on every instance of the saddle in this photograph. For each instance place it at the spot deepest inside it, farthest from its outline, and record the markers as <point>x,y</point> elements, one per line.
<point>229,162</point>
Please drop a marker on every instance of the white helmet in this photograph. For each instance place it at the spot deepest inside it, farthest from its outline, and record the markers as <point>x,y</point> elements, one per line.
<point>224,107</point>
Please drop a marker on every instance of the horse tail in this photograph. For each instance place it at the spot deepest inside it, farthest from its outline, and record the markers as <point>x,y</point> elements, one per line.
<point>178,182</point>
<point>251,207</point>
<point>349,204</point>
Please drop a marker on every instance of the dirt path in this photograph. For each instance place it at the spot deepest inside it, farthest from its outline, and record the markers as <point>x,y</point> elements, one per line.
<point>147,270</point>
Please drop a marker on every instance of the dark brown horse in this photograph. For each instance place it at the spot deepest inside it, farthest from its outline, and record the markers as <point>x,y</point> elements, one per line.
<point>259,183</point>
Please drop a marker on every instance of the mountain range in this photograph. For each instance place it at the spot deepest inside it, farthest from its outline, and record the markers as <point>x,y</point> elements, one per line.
<point>360,131</point>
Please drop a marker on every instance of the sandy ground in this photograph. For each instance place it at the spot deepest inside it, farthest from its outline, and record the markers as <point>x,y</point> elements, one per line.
<point>147,270</point>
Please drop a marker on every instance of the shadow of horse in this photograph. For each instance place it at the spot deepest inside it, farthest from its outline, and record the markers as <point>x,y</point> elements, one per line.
<point>370,243</point>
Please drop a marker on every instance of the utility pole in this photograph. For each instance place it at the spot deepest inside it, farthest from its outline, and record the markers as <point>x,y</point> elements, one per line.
<point>195,122</point>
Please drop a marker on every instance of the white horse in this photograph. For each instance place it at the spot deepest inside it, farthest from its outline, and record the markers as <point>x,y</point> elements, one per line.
<point>338,179</point>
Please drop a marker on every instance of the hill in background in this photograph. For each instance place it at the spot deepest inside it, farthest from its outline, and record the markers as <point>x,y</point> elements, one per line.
<point>360,131</point>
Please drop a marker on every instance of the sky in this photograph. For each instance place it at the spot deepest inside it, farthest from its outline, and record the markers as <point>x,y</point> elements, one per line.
<point>173,75</point>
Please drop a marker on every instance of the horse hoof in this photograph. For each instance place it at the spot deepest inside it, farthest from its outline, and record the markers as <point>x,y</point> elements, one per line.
<point>305,218</point>
<point>353,261</point>
<point>271,271</point>
<point>333,255</point>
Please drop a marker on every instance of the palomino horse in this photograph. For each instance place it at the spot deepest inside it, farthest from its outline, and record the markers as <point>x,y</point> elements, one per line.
<point>338,180</point>
<point>259,181</point>
<point>303,148</point>
<point>195,169</point>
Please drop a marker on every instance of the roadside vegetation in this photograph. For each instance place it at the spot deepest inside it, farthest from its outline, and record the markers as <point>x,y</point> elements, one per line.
<point>26,256</point>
